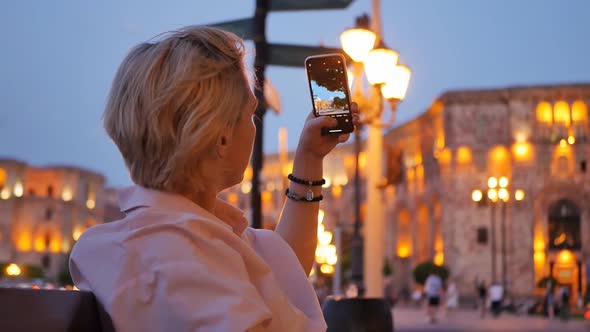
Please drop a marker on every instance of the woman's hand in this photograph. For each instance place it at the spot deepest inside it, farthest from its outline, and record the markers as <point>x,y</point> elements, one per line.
<point>312,144</point>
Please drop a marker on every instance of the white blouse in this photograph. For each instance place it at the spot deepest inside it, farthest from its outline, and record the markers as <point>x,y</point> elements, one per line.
<point>170,265</point>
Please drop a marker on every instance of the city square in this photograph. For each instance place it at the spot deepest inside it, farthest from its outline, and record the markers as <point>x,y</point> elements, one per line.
<point>459,203</point>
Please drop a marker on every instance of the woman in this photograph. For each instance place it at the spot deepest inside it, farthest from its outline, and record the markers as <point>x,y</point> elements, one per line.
<point>181,113</point>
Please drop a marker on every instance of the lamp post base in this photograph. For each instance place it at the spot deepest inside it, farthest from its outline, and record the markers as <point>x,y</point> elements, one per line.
<point>358,314</point>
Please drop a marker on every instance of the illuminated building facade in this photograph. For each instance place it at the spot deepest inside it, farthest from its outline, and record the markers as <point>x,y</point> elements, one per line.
<point>440,202</point>
<point>43,211</point>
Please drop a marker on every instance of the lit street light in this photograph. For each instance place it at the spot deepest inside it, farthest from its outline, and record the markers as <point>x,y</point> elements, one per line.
<point>389,80</point>
<point>497,192</point>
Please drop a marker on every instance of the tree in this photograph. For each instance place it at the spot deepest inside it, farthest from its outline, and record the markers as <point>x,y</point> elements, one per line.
<point>424,269</point>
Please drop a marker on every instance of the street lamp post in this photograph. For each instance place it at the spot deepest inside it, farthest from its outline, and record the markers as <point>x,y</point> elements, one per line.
<point>388,80</point>
<point>498,193</point>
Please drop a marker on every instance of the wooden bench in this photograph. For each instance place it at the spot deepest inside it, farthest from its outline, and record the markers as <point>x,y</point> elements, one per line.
<point>29,310</point>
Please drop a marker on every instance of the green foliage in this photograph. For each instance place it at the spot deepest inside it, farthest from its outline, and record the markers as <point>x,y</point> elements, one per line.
<point>387,270</point>
<point>424,269</point>
<point>28,271</point>
<point>542,283</point>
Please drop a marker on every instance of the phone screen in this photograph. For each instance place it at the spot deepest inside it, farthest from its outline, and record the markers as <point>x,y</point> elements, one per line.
<point>329,90</point>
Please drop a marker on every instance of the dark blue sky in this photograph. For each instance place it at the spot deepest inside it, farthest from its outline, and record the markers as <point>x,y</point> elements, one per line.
<point>58,59</point>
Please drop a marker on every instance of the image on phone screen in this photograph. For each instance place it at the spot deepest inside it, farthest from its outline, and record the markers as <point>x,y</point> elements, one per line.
<point>328,88</point>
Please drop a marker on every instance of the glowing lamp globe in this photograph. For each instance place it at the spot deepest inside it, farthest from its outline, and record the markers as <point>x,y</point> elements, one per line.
<point>380,65</point>
<point>396,87</point>
<point>357,43</point>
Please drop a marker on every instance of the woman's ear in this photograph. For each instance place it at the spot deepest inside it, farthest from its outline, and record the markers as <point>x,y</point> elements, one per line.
<point>222,144</point>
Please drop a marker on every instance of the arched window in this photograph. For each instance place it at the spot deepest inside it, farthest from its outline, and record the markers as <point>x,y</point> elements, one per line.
<point>564,225</point>
<point>50,191</point>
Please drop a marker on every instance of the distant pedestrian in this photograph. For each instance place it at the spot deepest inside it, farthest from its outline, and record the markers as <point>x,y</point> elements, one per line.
<point>496,297</point>
<point>482,293</point>
<point>433,291</point>
<point>452,296</point>
<point>550,299</point>
<point>564,298</point>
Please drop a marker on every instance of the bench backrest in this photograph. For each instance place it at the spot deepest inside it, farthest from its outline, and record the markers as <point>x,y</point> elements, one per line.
<point>51,311</point>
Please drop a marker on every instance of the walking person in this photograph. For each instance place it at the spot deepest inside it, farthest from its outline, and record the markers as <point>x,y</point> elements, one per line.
<point>482,293</point>
<point>433,289</point>
<point>564,298</point>
<point>181,111</point>
<point>452,297</point>
<point>550,299</point>
<point>496,295</point>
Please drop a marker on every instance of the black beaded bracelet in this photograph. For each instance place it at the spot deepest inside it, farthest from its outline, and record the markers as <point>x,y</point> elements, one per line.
<point>306,182</point>
<point>309,198</point>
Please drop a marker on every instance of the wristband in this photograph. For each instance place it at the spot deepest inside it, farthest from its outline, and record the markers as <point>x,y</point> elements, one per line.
<point>306,182</point>
<point>298,198</point>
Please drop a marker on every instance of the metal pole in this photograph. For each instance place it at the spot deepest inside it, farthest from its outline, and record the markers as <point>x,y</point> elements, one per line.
<point>357,240</point>
<point>260,61</point>
<point>493,240</point>
<point>504,258</point>
<point>375,219</point>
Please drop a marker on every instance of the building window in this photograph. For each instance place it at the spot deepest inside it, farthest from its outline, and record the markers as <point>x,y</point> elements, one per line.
<point>482,235</point>
<point>48,214</point>
<point>564,225</point>
<point>562,120</point>
<point>50,191</point>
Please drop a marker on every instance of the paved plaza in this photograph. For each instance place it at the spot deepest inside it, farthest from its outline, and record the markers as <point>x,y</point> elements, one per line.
<point>414,320</point>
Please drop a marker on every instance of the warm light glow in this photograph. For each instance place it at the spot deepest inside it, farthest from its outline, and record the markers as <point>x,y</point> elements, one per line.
<point>357,43</point>
<point>350,76</point>
<point>520,137</point>
<point>90,203</point>
<point>403,251</point>
<point>2,177</point>
<point>571,139</point>
<point>248,173</point>
<point>18,190</point>
<point>561,112</point>
<point>246,187</point>
<point>77,233</point>
<point>503,194</point>
<point>320,216</point>
<point>380,65</point>
<point>439,258</point>
<point>332,260</point>
<point>321,229</point>
<point>266,196</point>
<point>24,240</point>
<point>493,195</point>
<point>362,161</point>
<point>5,193</point>
<point>66,194</point>
<point>539,244</point>
<point>476,195</point>
<point>565,257</point>
<point>519,195</point>
<point>327,269</point>
<point>232,198</point>
<point>325,238</point>
<point>336,191</point>
<point>579,111</point>
<point>397,86</point>
<point>545,112</point>
<point>539,257</point>
<point>464,156</point>
<point>503,182</point>
<point>13,270</point>
<point>522,151</point>
<point>445,156</point>
<point>492,182</point>
<point>563,143</point>
<point>560,239</point>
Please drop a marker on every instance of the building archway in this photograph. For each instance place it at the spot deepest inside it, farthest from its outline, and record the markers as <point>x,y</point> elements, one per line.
<point>564,244</point>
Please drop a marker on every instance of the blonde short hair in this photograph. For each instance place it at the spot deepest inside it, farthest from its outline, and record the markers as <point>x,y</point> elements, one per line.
<point>171,99</point>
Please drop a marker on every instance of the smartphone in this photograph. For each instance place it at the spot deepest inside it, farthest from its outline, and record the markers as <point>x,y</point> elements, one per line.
<point>330,95</point>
